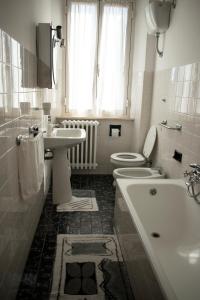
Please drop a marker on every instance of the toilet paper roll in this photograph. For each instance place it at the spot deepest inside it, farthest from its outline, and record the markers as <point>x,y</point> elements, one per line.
<point>115,132</point>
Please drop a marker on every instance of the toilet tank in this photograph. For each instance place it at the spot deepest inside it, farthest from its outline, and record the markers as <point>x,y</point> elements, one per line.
<point>158,16</point>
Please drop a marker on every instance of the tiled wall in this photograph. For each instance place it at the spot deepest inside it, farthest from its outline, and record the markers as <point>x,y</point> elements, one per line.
<point>180,89</point>
<point>185,81</point>
<point>141,107</point>
<point>18,219</point>
<point>18,78</point>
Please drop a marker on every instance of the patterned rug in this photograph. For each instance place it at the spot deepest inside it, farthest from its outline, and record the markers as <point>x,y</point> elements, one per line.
<point>83,200</point>
<point>89,267</point>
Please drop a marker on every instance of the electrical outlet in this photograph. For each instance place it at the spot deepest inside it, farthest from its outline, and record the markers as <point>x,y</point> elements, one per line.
<point>178,156</point>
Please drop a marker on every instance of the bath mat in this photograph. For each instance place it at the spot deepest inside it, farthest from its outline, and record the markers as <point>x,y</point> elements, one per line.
<point>83,200</point>
<point>89,267</point>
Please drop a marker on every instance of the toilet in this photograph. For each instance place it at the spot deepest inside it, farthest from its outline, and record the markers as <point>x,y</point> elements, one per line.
<point>128,163</point>
<point>137,173</point>
<point>129,159</point>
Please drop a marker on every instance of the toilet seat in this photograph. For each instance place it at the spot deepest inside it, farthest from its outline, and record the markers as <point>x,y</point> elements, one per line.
<point>127,159</point>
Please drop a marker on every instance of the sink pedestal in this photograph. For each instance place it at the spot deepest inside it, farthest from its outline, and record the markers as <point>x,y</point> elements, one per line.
<point>62,192</point>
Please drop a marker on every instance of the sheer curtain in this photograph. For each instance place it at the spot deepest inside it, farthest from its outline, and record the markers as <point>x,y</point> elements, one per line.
<point>112,75</point>
<point>82,43</point>
<point>97,34</point>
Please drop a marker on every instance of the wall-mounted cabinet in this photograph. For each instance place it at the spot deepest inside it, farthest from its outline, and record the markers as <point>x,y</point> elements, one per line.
<point>44,55</point>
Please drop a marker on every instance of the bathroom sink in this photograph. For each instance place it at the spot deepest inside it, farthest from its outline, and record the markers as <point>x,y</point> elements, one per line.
<point>60,140</point>
<point>64,137</point>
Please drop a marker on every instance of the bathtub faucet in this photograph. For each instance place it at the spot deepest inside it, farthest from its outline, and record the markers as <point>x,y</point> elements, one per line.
<point>193,180</point>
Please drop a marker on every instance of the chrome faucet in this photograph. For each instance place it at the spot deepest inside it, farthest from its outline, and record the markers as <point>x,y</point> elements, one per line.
<point>193,180</point>
<point>33,130</point>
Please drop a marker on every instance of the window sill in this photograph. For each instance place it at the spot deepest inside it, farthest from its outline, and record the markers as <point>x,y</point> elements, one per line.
<point>67,117</point>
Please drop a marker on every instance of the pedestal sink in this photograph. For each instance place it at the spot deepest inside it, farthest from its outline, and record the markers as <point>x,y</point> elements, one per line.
<point>60,140</point>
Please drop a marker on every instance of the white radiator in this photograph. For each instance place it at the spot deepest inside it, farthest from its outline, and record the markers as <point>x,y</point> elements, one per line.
<point>83,156</point>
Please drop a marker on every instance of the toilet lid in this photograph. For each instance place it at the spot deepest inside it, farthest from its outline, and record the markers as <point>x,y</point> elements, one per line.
<point>149,142</point>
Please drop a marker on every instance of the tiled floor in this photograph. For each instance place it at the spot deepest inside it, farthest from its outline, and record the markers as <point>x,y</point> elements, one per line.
<point>37,277</point>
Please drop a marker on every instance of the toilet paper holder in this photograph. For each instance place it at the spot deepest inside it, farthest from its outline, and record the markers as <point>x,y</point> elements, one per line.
<point>111,127</point>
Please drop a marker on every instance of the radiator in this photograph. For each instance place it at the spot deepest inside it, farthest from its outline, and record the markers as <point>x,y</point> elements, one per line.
<point>83,156</point>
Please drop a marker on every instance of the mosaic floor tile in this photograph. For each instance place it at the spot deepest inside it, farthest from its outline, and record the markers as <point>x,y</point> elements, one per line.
<point>39,264</point>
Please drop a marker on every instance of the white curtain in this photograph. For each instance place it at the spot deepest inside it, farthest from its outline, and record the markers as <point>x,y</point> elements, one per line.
<point>82,43</point>
<point>112,81</point>
<point>96,41</point>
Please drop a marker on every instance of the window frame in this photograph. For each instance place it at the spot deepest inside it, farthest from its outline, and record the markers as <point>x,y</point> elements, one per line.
<point>128,60</point>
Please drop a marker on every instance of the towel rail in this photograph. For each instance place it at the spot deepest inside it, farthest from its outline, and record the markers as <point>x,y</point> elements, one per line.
<point>176,127</point>
<point>20,137</point>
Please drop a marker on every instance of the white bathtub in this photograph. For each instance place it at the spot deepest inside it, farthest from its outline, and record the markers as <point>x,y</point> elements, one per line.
<point>175,217</point>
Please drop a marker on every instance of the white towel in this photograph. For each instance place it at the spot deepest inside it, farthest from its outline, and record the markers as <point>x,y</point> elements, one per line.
<point>31,165</point>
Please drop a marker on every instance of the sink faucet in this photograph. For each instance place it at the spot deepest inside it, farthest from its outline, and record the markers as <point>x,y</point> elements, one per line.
<point>193,180</point>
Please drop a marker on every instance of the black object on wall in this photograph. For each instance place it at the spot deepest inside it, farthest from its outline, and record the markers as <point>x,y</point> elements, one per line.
<point>178,156</point>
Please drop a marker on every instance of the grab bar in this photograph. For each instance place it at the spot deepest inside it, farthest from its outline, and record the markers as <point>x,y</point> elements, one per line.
<point>176,127</point>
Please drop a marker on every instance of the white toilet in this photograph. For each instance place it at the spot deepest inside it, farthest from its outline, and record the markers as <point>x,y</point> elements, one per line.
<point>129,159</point>
<point>129,162</point>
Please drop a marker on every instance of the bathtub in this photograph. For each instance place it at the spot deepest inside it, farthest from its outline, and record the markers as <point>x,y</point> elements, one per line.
<point>163,222</point>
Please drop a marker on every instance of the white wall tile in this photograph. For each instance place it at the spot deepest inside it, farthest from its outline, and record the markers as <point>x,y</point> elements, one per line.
<point>6,45</point>
<point>194,75</point>
<point>15,79</point>
<point>186,89</point>
<point>183,92</point>
<point>2,109</point>
<point>181,73</point>
<point>188,72</point>
<point>174,74</point>
<point>179,89</point>
<point>1,78</point>
<point>191,106</point>
<point>1,47</point>
<point>197,107</point>
<point>14,53</point>
<point>184,105</point>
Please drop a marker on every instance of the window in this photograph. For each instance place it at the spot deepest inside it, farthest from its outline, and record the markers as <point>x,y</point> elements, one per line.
<point>98,47</point>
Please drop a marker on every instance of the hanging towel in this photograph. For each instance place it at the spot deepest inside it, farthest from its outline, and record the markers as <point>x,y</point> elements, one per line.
<point>31,165</point>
